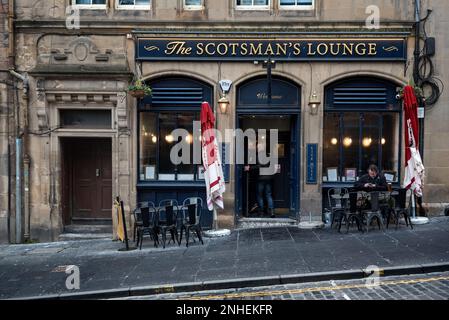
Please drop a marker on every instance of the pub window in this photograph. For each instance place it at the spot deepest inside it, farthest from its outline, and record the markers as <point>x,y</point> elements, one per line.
<point>174,104</point>
<point>296,4</point>
<point>361,127</point>
<point>90,4</point>
<point>193,4</point>
<point>252,4</point>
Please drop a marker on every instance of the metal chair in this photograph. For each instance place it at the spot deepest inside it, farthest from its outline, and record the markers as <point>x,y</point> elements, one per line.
<point>338,199</point>
<point>353,212</point>
<point>168,209</point>
<point>374,212</point>
<point>137,215</point>
<point>399,208</point>
<point>192,221</point>
<point>148,216</point>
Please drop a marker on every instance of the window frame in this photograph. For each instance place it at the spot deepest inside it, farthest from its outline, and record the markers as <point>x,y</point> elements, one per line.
<point>196,116</point>
<point>341,129</point>
<point>296,6</point>
<point>253,7</point>
<point>91,6</point>
<point>193,7</point>
<point>119,6</point>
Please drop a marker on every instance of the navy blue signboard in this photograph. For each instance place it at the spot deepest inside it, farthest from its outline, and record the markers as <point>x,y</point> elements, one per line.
<point>312,163</point>
<point>224,163</point>
<point>213,49</point>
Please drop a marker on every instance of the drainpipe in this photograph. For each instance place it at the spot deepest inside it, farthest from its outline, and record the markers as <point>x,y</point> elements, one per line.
<point>20,143</point>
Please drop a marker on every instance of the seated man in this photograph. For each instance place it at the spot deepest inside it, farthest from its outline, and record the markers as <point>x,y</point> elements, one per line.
<point>372,181</point>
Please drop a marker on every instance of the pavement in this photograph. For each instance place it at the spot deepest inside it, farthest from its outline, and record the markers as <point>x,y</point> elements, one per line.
<point>246,258</point>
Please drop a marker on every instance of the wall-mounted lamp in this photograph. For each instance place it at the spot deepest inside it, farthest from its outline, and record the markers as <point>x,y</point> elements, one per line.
<point>223,104</point>
<point>314,103</point>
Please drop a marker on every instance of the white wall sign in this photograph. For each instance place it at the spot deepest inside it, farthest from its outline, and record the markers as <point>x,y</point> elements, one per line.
<point>225,85</point>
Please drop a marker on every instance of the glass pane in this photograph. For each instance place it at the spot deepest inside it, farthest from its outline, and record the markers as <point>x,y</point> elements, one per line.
<point>185,121</point>
<point>261,2</point>
<point>98,1</point>
<point>390,146</point>
<point>370,140</point>
<point>126,2</point>
<point>331,145</point>
<point>148,145</point>
<point>350,140</point>
<point>193,2</point>
<point>287,2</point>
<point>142,2</point>
<point>86,119</point>
<point>83,2</point>
<point>167,123</point>
<point>305,2</point>
<point>244,2</point>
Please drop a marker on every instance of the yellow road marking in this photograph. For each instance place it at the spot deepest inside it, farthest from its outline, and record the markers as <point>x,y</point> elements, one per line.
<point>313,289</point>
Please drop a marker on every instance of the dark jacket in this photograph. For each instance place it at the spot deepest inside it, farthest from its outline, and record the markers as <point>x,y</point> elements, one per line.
<point>379,181</point>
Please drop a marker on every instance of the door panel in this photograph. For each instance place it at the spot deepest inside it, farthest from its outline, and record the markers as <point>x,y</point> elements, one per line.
<point>92,179</point>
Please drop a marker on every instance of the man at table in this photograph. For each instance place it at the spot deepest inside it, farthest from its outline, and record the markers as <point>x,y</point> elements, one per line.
<point>372,181</point>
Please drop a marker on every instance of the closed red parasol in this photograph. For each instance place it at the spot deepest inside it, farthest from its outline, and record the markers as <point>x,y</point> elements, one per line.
<point>213,172</point>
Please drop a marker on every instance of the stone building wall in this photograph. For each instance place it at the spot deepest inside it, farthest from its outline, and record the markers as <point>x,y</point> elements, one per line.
<point>61,69</point>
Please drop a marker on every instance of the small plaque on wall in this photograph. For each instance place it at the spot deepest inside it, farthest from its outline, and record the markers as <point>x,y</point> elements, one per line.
<point>312,163</point>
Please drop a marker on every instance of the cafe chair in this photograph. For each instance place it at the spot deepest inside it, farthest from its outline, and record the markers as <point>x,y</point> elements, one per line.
<point>192,220</point>
<point>352,214</point>
<point>137,215</point>
<point>147,225</point>
<point>374,212</point>
<point>167,222</point>
<point>399,209</point>
<point>338,199</point>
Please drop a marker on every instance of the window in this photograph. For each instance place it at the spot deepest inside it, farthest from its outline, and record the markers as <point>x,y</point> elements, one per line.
<point>90,4</point>
<point>156,142</point>
<point>85,119</point>
<point>133,4</point>
<point>253,4</point>
<point>296,4</point>
<point>193,4</point>
<point>358,139</point>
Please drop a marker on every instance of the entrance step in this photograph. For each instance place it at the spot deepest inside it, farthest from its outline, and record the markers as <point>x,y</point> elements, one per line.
<point>83,236</point>
<point>248,223</point>
<point>86,232</point>
<point>88,228</point>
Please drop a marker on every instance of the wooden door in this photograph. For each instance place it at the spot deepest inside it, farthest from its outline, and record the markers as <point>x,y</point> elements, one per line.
<point>91,179</point>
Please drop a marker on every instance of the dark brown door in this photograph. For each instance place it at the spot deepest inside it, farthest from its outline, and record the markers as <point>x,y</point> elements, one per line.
<point>91,179</point>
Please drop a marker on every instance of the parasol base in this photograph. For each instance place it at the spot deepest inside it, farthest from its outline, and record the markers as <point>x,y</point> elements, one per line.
<point>311,225</point>
<point>217,233</point>
<point>420,220</point>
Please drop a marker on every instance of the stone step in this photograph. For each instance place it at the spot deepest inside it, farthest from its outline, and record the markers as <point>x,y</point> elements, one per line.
<point>88,228</point>
<point>248,223</point>
<point>84,236</point>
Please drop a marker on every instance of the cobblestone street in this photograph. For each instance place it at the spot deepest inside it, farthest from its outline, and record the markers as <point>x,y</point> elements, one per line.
<point>434,286</point>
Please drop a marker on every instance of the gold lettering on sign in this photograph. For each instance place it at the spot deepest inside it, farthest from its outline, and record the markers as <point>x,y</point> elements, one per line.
<point>269,50</point>
<point>233,46</point>
<point>207,48</point>
<point>178,47</point>
<point>372,51</point>
<point>199,48</point>
<point>264,96</point>
<point>254,51</point>
<point>322,49</point>
<point>297,49</point>
<point>348,49</point>
<point>360,49</point>
<point>281,48</point>
<point>222,49</point>
<point>335,51</point>
<point>310,52</point>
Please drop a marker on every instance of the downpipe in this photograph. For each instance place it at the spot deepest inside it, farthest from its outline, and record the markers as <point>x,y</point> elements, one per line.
<point>22,170</point>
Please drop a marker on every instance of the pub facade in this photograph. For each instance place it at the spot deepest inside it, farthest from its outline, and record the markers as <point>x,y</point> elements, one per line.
<point>315,70</point>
